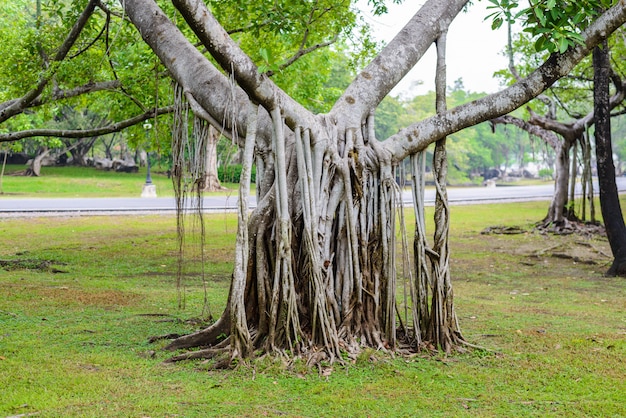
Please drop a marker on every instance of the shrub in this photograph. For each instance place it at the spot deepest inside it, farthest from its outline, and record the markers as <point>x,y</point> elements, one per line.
<point>232,173</point>
<point>545,173</point>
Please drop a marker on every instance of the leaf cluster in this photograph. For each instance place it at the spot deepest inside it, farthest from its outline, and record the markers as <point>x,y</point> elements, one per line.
<point>554,26</point>
<point>304,46</point>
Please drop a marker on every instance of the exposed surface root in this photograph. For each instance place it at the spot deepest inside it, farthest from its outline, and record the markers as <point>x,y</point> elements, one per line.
<point>210,336</point>
<point>205,354</point>
<point>31,264</point>
<point>314,356</point>
<point>505,230</point>
<point>568,227</point>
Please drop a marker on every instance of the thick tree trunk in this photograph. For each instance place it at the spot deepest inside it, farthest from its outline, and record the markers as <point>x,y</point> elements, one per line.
<point>320,277</point>
<point>609,197</point>
<point>80,149</point>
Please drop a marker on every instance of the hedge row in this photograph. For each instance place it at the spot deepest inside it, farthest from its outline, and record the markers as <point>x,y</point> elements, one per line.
<point>232,173</point>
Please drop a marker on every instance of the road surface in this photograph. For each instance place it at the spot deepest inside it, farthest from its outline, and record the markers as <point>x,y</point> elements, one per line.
<point>10,206</point>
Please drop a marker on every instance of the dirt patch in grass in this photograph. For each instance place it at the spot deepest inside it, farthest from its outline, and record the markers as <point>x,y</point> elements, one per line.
<point>532,248</point>
<point>105,298</point>
<point>30,264</point>
<point>171,276</point>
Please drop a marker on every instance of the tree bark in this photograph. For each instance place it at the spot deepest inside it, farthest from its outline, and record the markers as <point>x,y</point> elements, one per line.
<point>609,197</point>
<point>34,169</point>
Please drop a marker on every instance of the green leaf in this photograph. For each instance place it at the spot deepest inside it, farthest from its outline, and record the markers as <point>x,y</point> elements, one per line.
<point>576,37</point>
<point>497,23</point>
<point>563,45</point>
<point>539,13</point>
<point>264,54</point>
<point>554,14</point>
<point>540,44</point>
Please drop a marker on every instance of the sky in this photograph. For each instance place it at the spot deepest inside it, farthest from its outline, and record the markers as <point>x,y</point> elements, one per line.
<point>474,51</point>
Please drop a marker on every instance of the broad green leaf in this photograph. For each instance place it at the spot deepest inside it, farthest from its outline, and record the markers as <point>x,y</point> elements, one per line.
<point>563,45</point>
<point>264,54</point>
<point>497,23</point>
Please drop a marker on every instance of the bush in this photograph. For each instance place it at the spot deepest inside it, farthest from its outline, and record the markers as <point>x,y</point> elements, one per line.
<point>545,173</point>
<point>232,173</point>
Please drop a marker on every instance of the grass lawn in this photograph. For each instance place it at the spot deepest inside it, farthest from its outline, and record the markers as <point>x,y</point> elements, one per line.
<point>84,182</point>
<point>81,296</point>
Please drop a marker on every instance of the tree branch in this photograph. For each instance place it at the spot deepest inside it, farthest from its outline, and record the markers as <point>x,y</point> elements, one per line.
<point>90,87</point>
<point>545,135</point>
<point>303,51</point>
<point>234,61</point>
<point>18,106</point>
<point>397,59</point>
<point>84,133</point>
<point>419,135</point>
<point>66,94</point>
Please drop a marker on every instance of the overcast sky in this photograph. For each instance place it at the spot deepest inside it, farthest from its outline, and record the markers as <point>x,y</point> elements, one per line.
<point>474,51</point>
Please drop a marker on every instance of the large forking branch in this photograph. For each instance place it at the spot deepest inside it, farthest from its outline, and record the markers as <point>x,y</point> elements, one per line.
<point>213,92</point>
<point>259,87</point>
<point>419,135</point>
<point>204,85</point>
<point>398,58</point>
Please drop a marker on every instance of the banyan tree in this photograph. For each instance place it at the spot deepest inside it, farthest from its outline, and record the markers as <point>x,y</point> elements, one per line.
<point>315,265</point>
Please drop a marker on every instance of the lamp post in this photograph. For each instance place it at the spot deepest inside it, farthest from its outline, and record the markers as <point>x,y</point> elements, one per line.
<point>149,189</point>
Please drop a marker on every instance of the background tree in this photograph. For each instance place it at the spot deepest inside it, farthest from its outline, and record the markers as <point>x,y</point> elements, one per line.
<point>137,88</point>
<point>609,197</point>
<point>59,54</point>
<point>561,117</point>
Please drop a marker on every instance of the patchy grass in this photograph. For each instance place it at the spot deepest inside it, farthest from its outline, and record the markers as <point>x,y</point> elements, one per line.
<point>75,321</point>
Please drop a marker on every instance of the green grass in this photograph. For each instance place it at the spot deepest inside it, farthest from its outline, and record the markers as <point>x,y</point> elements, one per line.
<point>73,331</point>
<point>85,182</point>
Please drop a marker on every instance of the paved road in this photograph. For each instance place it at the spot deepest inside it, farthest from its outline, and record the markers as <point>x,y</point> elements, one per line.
<point>457,195</point>
<point>117,205</point>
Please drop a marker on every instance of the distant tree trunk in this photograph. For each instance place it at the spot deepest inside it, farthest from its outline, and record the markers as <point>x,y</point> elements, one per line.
<point>573,174</point>
<point>211,182</point>
<point>34,169</point>
<point>81,150</point>
<point>609,197</point>
<point>108,146</point>
<point>561,147</point>
<point>4,164</point>
<point>556,211</point>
